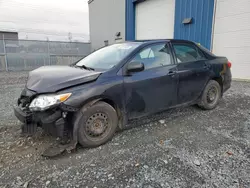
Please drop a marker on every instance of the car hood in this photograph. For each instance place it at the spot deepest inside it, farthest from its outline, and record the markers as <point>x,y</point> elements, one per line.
<point>53,78</point>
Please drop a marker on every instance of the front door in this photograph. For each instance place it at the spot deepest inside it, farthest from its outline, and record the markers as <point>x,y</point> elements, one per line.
<point>154,88</point>
<point>193,71</point>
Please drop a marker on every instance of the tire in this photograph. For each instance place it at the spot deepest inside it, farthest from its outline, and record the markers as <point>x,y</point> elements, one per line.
<point>97,124</point>
<point>210,100</point>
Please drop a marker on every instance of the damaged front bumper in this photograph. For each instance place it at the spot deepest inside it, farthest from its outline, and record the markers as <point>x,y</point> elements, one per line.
<point>58,122</point>
<point>52,121</point>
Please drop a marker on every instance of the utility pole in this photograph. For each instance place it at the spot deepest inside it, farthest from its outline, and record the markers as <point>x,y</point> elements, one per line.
<point>5,54</point>
<point>48,50</point>
<point>70,36</point>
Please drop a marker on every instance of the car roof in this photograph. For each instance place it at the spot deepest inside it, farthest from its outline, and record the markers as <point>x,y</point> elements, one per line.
<point>161,40</point>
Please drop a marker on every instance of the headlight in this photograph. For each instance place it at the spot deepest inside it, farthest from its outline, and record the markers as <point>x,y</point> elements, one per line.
<point>44,102</point>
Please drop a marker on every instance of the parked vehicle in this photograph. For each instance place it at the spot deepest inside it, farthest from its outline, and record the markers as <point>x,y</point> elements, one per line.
<point>102,92</point>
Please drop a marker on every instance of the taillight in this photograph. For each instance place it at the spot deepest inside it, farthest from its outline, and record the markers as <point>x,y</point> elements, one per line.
<point>229,64</point>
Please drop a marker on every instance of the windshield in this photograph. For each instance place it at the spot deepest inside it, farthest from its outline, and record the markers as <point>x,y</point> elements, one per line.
<point>108,57</point>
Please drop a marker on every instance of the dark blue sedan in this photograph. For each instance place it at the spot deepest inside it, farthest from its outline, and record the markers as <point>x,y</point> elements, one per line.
<point>89,100</point>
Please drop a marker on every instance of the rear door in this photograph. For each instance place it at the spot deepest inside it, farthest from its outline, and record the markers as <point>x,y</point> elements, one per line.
<point>193,71</point>
<point>154,88</point>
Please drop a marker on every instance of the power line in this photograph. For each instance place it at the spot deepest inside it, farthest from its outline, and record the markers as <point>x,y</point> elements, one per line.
<point>36,31</point>
<point>66,35</point>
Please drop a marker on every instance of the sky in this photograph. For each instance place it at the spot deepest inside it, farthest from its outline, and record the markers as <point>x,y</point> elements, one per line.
<point>46,19</point>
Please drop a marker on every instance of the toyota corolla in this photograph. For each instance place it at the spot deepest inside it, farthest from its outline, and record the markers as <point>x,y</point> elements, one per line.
<point>88,101</point>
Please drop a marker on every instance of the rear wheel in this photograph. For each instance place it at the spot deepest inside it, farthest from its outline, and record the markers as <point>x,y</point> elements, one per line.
<point>97,125</point>
<point>210,96</point>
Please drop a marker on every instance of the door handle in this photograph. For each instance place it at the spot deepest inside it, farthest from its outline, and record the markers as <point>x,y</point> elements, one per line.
<point>171,73</point>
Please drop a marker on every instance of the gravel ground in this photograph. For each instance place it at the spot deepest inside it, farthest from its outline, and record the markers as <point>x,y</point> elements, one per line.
<point>11,85</point>
<point>184,147</point>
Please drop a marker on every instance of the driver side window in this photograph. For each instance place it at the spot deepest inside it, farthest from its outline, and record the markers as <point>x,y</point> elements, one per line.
<point>156,55</point>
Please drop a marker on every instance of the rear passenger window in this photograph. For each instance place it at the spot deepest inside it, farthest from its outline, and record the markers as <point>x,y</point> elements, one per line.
<point>187,53</point>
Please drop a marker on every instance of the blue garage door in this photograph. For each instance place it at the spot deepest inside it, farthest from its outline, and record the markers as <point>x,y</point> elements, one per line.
<point>200,28</point>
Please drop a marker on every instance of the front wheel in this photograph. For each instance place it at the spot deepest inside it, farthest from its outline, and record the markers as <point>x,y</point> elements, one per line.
<point>97,125</point>
<point>210,96</point>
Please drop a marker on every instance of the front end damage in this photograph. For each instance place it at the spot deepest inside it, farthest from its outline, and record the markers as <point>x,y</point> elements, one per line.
<point>56,121</point>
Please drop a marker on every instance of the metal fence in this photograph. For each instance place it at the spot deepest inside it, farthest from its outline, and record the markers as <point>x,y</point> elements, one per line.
<point>23,55</point>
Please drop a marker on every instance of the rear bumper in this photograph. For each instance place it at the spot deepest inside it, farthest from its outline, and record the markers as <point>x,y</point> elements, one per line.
<point>51,121</point>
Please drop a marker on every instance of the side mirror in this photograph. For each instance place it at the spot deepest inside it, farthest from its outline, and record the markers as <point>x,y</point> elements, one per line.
<point>135,66</point>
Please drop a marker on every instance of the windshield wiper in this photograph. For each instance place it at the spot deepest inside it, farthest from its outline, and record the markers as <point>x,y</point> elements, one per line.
<point>85,67</point>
